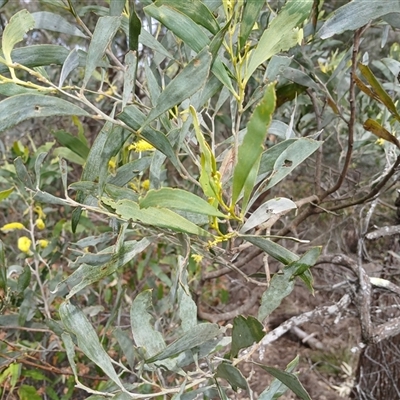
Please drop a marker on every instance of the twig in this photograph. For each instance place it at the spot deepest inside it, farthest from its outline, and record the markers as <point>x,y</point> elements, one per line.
<point>322,311</point>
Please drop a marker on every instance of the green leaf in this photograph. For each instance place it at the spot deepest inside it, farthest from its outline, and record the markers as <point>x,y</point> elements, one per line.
<point>75,322</point>
<point>288,379</point>
<point>87,274</point>
<point>182,86</point>
<point>245,332</point>
<point>131,63</point>
<point>159,217</point>
<point>277,388</point>
<point>180,200</point>
<point>105,30</point>
<point>281,286</point>
<point>12,89</point>
<point>266,210</point>
<point>116,7</point>
<point>191,34</point>
<point>72,143</point>
<point>70,64</point>
<point>251,13</point>
<point>5,193</point>
<point>289,159</point>
<point>22,173</point>
<point>128,171</point>
<point>14,32</point>
<point>134,119</point>
<point>246,169</point>
<point>135,26</point>
<point>24,279</point>
<point>180,24</point>
<point>25,106</point>
<point>273,249</point>
<point>377,129</point>
<point>281,34</point>
<point>27,392</point>
<point>379,93</point>
<point>45,54</point>
<point>194,337</point>
<point>195,10</point>
<point>232,375</point>
<point>54,22</point>
<point>342,19</point>
<point>143,331</point>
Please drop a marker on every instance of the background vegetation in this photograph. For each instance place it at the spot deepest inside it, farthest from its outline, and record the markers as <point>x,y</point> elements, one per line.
<point>184,183</point>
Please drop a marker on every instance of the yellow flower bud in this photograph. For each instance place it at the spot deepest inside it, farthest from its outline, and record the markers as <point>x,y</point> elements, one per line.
<point>24,244</point>
<point>12,227</point>
<point>40,224</point>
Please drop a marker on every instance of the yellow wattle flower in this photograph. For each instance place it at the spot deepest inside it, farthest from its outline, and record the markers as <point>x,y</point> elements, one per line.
<point>141,145</point>
<point>12,226</point>
<point>40,224</point>
<point>43,243</point>
<point>24,244</point>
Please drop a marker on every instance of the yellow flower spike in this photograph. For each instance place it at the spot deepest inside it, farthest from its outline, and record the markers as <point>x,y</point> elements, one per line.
<point>112,166</point>
<point>380,142</point>
<point>24,244</point>
<point>43,243</point>
<point>145,185</point>
<point>40,224</point>
<point>197,258</point>
<point>12,226</point>
<point>141,145</point>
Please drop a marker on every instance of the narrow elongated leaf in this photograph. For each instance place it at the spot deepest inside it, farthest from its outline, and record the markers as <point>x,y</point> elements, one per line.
<point>289,159</point>
<point>116,7</point>
<point>25,106</point>
<point>379,92</point>
<point>191,34</point>
<point>282,34</point>
<point>266,211</point>
<point>183,85</point>
<point>128,171</point>
<point>3,267</point>
<point>196,10</point>
<point>178,199</point>
<point>76,322</point>
<point>143,331</point>
<point>277,388</point>
<point>232,375</point>
<point>87,274</point>
<point>245,332</point>
<point>273,249</point>
<point>281,286</point>
<point>135,26</point>
<point>70,64</point>
<point>105,30</point>
<point>134,119</point>
<point>289,379</point>
<point>343,19</point>
<point>72,142</point>
<point>54,22</point>
<point>377,129</point>
<point>299,77</point>
<point>180,24</point>
<point>246,169</point>
<point>131,62</point>
<point>196,336</point>
<point>5,193</point>
<point>45,54</point>
<point>14,32</point>
<point>251,13</point>
<point>159,217</point>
